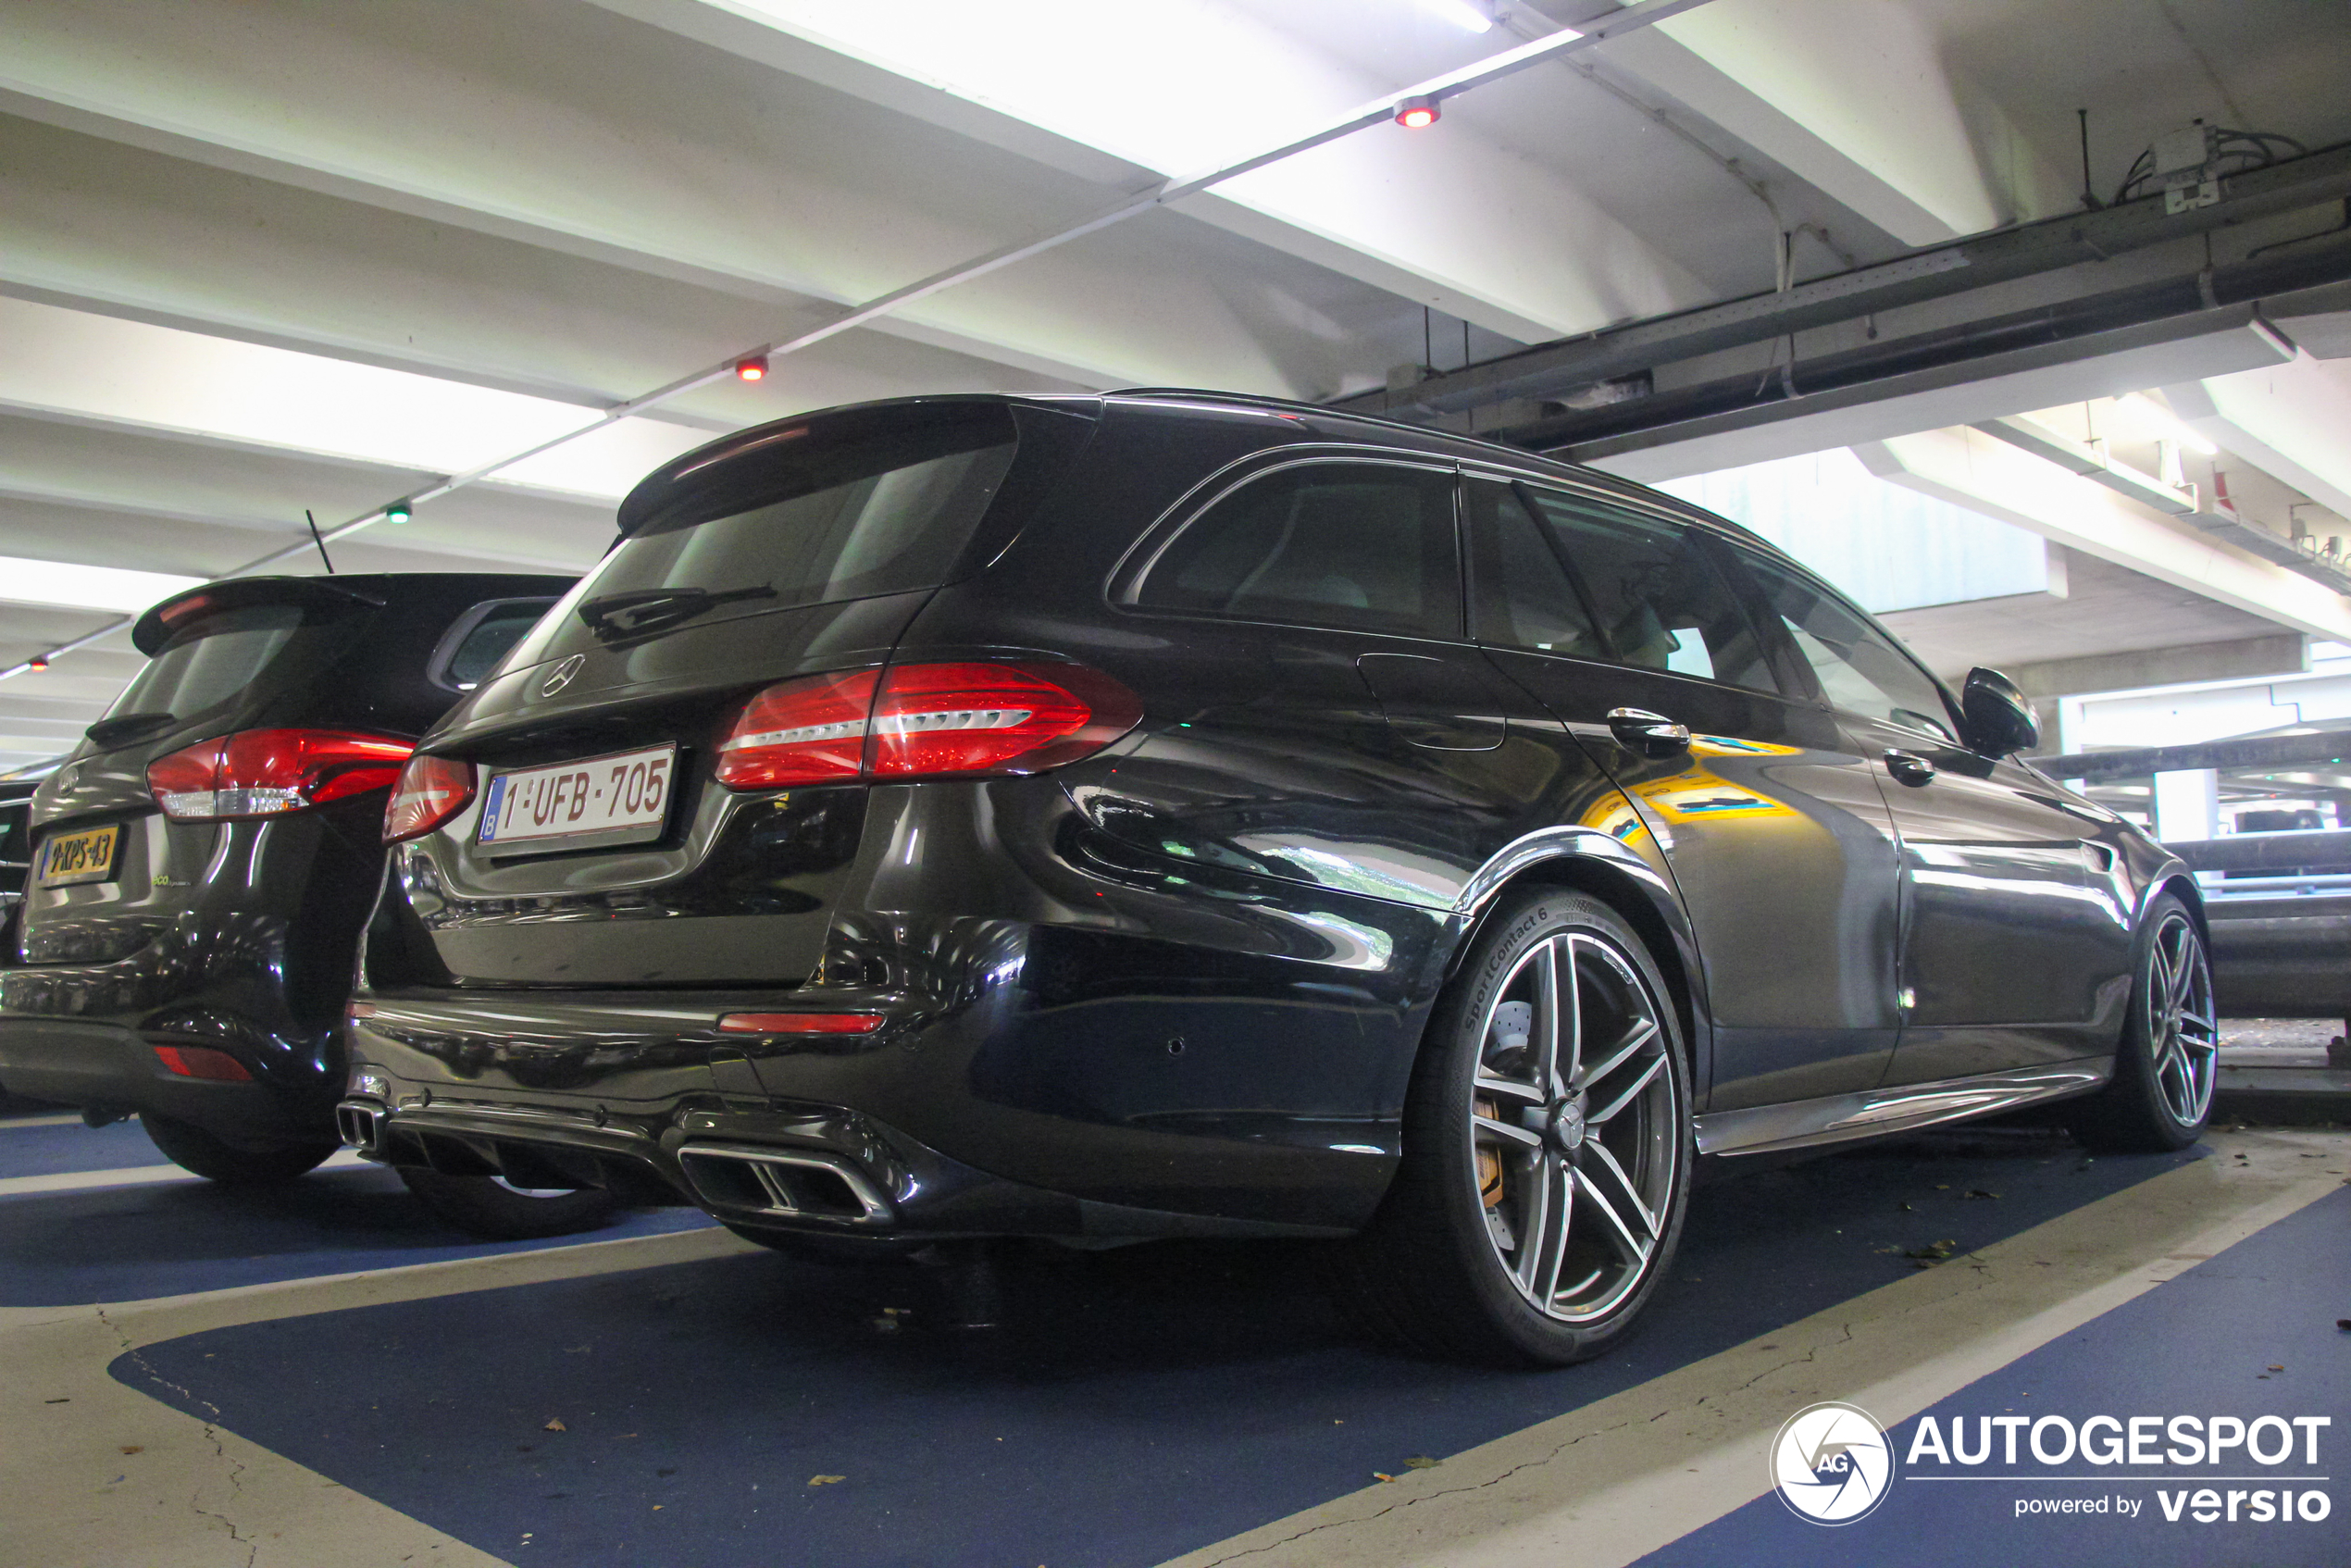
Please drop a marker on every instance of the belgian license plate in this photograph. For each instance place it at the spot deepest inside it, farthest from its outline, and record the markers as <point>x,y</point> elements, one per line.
<point>86,857</point>
<point>619,799</point>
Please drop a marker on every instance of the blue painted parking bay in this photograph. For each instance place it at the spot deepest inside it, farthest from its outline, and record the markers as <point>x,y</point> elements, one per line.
<point>172,1233</point>
<point>1134,1405</point>
<point>2249,1337</point>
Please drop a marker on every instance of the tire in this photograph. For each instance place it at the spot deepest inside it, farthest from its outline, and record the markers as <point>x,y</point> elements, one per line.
<point>1462,1259</point>
<point>232,1165</point>
<point>2160,1095</point>
<point>487,1207</point>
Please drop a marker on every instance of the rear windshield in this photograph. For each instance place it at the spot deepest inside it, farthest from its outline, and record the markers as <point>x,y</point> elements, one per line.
<point>846,517</point>
<point>206,665</point>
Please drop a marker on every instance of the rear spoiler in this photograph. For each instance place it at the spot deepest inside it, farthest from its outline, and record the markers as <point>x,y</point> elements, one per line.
<point>158,626</point>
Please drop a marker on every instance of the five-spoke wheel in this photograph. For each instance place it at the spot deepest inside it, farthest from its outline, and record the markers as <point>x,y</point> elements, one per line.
<point>1546,1144</point>
<point>2169,1058</point>
<point>1576,1123</point>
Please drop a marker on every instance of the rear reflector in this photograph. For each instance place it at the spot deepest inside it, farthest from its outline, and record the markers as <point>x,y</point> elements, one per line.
<point>202,1062</point>
<point>270,771</point>
<point>800,1023</point>
<point>430,792</point>
<point>924,721</point>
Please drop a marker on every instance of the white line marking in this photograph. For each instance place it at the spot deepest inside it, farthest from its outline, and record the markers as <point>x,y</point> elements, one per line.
<point>133,1175</point>
<point>63,1119</point>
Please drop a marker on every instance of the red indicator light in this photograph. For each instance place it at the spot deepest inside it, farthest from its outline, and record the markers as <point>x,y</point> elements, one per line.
<point>801,1023</point>
<point>754,368</point>
<point>36,663</point>
<point>1416,113</point>
<point>202,1062</point>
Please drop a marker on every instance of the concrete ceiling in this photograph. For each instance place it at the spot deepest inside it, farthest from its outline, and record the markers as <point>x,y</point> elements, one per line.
<point>264,255</point>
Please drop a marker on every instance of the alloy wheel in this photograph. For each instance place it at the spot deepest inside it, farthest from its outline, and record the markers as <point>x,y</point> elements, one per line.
<point>1576,1126</point>
<point>2183,1028</point>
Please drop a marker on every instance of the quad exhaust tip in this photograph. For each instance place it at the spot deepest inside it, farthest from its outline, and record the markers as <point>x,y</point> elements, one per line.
<point>803,1183</point>
<point>361,1125</point>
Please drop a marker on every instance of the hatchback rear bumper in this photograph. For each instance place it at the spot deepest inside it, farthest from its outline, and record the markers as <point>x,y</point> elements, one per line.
<point>109,1066</point>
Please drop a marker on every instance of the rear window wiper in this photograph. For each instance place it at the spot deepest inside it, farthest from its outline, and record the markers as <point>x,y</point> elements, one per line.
<point>123,728</point>
<point>615,617</point>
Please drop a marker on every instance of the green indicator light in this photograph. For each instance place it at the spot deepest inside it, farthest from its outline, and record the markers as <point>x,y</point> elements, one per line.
<point>398,512</point>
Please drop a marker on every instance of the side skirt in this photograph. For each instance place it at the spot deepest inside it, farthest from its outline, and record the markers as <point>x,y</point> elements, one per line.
<point>1838,1119</point>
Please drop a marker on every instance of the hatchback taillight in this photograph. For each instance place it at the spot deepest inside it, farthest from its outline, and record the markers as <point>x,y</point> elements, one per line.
<point>924,721</point>
<point>430,792</point>
<point>270,771</point>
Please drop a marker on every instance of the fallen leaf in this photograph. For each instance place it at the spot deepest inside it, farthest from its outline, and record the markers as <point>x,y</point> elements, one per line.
<point>2343,1323</point>
<point>1382,1475</point>
<point>2274,1368</point>
<point>555,1424</point>
<point>56,1402</point>
<point>824,1480</point>
<point>135,1447</point>
<point>1932,1252</point>
<point>659,1506</point>
<point>1422,1461</point>
<point>1978,1192</point>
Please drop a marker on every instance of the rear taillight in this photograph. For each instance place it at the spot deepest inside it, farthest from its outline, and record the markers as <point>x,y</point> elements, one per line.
<point>801,732</point>
<point>270,771</point>
<point>924,721</point>
<point>430,792</point>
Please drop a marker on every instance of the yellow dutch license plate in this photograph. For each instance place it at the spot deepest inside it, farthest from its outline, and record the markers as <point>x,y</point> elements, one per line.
<point>86,857</point>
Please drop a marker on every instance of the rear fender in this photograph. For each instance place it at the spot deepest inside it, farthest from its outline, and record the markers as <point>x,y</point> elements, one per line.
<point>1596,862</point>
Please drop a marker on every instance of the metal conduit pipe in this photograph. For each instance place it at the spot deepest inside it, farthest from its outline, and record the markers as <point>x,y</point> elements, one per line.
<point>2002,256</point>
<point>2054,334</point>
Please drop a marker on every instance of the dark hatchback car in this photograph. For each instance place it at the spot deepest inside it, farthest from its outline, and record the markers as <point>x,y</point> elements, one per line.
<point>203,862</point>
<point>1167,813</point>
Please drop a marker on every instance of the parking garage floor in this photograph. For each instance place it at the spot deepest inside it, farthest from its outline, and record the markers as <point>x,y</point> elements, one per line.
<point>321,1376</point>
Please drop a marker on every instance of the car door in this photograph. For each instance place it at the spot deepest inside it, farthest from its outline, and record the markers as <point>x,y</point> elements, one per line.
<point>2015,933</point>
<point>1340,730</point>
<point>1623,624</point>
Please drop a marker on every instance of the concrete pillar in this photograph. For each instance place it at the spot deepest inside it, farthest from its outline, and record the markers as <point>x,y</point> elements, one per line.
<point>2187,805</point>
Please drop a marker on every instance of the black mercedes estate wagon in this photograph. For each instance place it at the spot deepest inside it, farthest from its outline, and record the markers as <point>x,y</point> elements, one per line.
<point>1169,814</point>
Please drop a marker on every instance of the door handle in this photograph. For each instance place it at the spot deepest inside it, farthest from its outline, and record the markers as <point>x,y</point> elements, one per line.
<point>1909,768</point>
<point>1650,734</point>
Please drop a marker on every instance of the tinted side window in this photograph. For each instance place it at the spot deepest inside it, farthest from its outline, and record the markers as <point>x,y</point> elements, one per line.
<point>1524,599</point>
<point>1366,546</point>
<point>481,637</point>
<point>1860,669</point>
<point>1660,602</point>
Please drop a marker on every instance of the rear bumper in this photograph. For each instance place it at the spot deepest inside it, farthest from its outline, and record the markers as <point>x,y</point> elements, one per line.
<point>917,1129</point>
<point>811,1169</point>
<point>110,1066</point>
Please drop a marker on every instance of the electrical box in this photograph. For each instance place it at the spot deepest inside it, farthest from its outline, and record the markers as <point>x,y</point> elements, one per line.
<point>2184,162</point>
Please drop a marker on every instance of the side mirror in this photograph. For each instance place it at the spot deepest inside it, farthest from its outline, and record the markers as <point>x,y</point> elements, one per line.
<point>1999,719</point>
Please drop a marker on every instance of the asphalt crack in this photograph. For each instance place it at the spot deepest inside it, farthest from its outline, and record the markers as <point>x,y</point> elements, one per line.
<point>232,1467</point>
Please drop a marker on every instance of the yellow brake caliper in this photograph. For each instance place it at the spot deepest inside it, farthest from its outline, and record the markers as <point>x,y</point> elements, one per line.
<point>1489,1165</point>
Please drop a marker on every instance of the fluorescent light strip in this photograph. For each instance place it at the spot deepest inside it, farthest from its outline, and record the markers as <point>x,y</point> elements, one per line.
<point>68,585</point>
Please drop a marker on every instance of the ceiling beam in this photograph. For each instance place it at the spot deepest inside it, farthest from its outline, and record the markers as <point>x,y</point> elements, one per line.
<point>1970,469</point>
